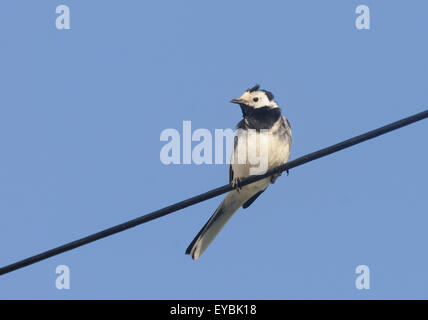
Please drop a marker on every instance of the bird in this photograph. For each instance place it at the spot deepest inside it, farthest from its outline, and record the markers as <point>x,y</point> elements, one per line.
<point>261,121</point>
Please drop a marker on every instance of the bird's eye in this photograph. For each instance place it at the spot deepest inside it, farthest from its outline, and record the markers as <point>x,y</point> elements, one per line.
<point>256,99</point>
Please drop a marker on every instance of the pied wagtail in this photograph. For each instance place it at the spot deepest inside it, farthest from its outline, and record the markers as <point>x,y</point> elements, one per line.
<point>260,113</point>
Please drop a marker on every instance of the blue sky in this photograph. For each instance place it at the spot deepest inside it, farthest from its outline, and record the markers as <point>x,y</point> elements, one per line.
<point>81,112</point>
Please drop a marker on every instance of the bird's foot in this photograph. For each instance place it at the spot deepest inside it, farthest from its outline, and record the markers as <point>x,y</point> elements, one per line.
<point>236,184</point>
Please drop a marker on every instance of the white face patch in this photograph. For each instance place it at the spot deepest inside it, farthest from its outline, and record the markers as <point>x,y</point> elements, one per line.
<point>258,99</point>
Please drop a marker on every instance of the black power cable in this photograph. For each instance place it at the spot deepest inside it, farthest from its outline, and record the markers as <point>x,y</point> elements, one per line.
<point>214,193</point>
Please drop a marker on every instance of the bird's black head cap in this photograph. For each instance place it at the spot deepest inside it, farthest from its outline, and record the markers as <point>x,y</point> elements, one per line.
<point>268,93</point>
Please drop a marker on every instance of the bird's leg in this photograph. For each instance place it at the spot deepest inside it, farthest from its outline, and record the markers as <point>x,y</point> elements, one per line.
<point>236,184</point>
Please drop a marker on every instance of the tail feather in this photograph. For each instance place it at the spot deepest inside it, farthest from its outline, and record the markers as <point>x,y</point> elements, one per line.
<point>214,225</point>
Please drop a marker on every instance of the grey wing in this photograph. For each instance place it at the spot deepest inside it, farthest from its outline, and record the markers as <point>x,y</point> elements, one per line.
<point>235,143</point>
<point>288,130</point>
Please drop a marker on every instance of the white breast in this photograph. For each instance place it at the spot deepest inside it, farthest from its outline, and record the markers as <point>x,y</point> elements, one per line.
<point>257,152</point>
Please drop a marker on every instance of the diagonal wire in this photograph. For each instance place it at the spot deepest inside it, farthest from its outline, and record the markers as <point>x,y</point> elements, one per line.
<point>214,193</point>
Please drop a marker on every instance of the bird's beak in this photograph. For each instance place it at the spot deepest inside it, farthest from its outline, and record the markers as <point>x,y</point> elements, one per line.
<point>239,101</point>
